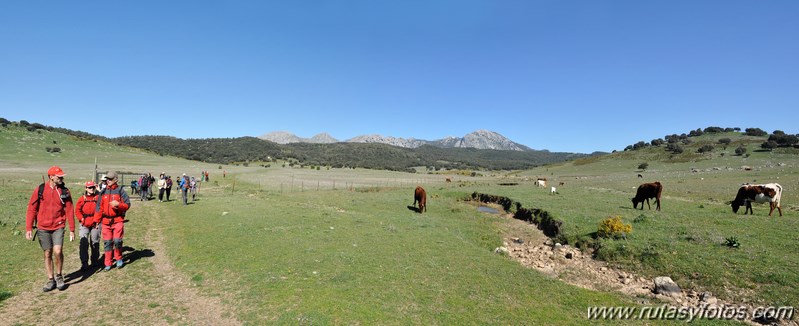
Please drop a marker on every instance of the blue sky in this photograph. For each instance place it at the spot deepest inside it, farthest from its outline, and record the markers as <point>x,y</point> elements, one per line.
<point>573,76</point>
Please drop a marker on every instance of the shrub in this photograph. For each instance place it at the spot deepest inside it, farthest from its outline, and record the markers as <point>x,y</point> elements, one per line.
<point>740,150</point>
<point>732,242</point>
<point>705,149</point>
<point>769,145</point>
<point>613,227</point>
<point>643,166</point>
<point>755,132</point>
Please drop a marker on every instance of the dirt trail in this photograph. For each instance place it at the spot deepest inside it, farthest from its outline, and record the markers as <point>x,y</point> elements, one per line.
<point>148,290</point>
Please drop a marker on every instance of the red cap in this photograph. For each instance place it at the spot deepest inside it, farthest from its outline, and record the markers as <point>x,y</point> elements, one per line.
<point>56,171</point>
<point>90,184</point>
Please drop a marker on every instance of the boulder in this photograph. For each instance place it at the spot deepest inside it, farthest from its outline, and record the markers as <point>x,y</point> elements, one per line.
<point>665,285</point>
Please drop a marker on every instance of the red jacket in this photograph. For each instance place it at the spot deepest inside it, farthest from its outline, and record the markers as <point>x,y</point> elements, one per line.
<point>52,211</point>
<point>107,214</point>
<point>84,210</point>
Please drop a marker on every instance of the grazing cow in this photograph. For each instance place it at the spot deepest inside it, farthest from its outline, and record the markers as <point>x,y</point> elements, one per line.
<point>770,192</point>
<point>646,191</point>
<point>554,190</point>
<point>421,196</point>
<point>449,179</point>
<point>541,182</point>
<point>561,183</point>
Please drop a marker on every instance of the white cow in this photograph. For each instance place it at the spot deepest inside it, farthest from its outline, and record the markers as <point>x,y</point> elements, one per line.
<point>541,183</point>
<point>553,190</point>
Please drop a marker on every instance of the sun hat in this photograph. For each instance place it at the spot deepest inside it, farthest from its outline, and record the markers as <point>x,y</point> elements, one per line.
<point>111,175</point>
<point>56,171</point>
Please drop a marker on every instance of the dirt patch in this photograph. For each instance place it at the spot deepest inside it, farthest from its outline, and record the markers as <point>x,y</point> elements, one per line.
<point>531,248</point>
<point>148,291</point>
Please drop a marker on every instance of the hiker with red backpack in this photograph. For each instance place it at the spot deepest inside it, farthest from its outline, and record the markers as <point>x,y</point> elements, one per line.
<point>110,211</point>
<point>51,208</point>
<point>89,231</point>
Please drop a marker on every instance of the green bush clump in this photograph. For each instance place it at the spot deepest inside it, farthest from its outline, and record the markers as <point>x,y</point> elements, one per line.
<point>732,242</point>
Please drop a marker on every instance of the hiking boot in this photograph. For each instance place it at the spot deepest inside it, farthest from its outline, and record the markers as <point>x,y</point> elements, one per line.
<point>107,268</point>
<point>59,282</point>
<point>49,286</point>
<point>120,263</point>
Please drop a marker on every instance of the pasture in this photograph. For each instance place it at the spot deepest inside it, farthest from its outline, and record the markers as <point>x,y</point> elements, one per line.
<point>292,245</point>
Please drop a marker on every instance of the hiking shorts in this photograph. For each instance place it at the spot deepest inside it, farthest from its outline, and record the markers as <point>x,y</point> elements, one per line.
<point>48,239</point>
<point>92,234</point>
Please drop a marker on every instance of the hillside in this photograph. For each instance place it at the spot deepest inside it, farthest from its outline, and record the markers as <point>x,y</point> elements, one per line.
<point>337,154</point>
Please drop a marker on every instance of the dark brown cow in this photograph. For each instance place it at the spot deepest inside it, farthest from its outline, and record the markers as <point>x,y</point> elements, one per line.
<point>646,191</point>
<point>770,192</point>
<point>421,196</point>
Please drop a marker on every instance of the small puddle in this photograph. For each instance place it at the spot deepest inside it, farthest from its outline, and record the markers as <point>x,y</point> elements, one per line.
<point>486,209</point>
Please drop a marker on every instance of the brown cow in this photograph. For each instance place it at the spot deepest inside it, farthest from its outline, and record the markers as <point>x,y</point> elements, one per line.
<point>646,191</point>
<point>770,192</point>
<point>421,196</point>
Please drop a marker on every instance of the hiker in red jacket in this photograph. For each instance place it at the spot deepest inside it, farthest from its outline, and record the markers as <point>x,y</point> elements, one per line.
<point>110,211</point>
<point>50,207</point>
<point>89,231</point>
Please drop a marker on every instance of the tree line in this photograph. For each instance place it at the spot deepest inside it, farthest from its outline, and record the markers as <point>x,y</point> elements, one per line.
<point>245,150</point>
<point>673,143</point>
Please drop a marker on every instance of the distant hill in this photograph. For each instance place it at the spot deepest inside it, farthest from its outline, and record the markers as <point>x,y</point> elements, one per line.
<point>451,153</point>
<point>480,139</point>
<point>337,154</point>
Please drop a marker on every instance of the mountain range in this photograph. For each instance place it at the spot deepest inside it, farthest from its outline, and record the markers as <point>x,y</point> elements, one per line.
<point>480,139</point>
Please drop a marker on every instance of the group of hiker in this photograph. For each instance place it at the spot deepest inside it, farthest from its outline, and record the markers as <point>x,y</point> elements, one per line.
<point>100,212</point>
<point>143,186</point>
<point>50,210</point>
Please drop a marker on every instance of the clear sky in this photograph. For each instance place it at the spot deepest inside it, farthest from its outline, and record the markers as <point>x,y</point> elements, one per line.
<point>573,76</point>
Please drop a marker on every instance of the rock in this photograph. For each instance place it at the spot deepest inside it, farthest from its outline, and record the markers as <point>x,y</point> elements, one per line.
<point>665,285</point>
<point>707,297</point>
<point>502,251</point>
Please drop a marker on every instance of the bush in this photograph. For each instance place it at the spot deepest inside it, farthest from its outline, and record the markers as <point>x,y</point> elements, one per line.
<point>705,149</point>
<point>740,150</point>
<point>755,132</point>
<point>732,242</point>
<point>769,145</point>
<point>613,227</point>
<point>643,166</point>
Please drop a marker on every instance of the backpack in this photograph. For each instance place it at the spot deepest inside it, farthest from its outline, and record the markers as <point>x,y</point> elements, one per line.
<point>87,201</point>
<point>65,195</point>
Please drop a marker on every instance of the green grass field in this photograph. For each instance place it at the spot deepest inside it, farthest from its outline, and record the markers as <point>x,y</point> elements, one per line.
<point>299,246</point>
